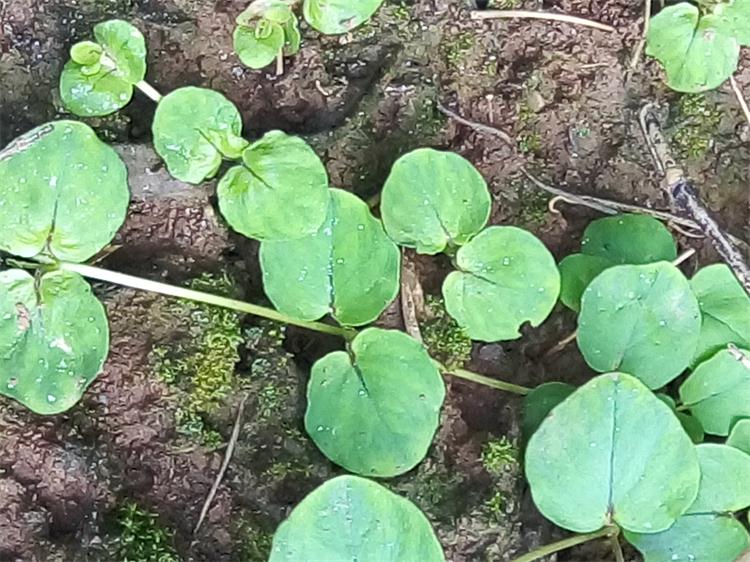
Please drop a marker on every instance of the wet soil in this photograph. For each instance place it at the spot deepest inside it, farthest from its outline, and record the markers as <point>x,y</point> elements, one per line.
<point>565,94</point>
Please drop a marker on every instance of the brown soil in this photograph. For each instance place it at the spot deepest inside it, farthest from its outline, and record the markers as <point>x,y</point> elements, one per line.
<point>564,93</point>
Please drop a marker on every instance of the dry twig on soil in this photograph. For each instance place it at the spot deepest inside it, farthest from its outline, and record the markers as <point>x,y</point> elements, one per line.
<point>549,16</point>
<point>740,98</point>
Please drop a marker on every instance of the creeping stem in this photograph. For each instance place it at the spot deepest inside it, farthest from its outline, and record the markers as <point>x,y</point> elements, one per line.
<point>564,544</point>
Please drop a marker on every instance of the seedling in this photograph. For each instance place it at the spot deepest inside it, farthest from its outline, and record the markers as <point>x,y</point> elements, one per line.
<point>699,45</point>
<point>268,30</point>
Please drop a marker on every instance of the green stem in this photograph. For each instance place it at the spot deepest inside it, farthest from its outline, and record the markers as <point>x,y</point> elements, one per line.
<point>487,381</point>
<point>551,548</point>
<point>198,296</point>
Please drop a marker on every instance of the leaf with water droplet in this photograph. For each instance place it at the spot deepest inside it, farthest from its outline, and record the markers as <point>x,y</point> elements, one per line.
<point>540,402</point>
<point>350,518</point>
<point>639,319</point>
<point>506,277</point>
<point>63,193</point>
<point>642,473</point>
<point>387,431</point>
<point>349,267</point>
<point>334,17</point>
<point>725,472</point>
<point>433,199</point>
<point>49,351</point>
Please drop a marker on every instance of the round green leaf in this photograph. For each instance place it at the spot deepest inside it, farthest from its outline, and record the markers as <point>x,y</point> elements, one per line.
<point>725,472</point>
<point>725,309</point>
<point>718,392</point>
<point>280,193</point>
<point>506,277</point>
<point>698,52</point>
<point>432,199</point>
<point>338,16</point>
<point>540,402</point>
<point>737,15</point>
<point>739,437</point>
<point>629,239</point>
<point>124,45</point>
<point>612,453</point>
<point>375,410</point>
<point>193,128</point>
<point>54,339</point>
<point>639,319</point>
<point>62,192</point>
<point>86,53</point>
<point>576,272</point>
<point>694,538</point>
<point>350,518</point>
<point>89,91</point>
<point>255,50</point>
<point>349,267</point>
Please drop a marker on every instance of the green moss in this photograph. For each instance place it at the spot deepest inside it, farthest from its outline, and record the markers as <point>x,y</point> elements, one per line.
<point>200,365</point>
<point>529,142</point>
<point>497,454</point>
<point>142,538</point>
<point>504,4</point>
<point>496,505</point>
<point>254,542</point>
<point>697,121</point>
<point>444,338</point>
<point>455,48</point>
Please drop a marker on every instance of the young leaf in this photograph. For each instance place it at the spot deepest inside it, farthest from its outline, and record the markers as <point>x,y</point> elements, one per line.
<point>694,538</point>
<point>540,402</point>
<point>639,319</point>
<point>506,277</point>
<point>725,472</point>
<point>193,129</point>
<point>54,339</point>
<point>334,17</point>
<point>63,192</point>
<point>577,271</point>
<point>256,48</point>
<point>692,427</point>
<point>725,309</point>
<point>292,37</point>
<point>737,14</point>
<point>432,199</point>
<point>375,410</point>
<point>612,453</point>
<point>349,515</point>
<point>279,193</point>
<point>739,437</point>
<point>99,78</point>
<point>718,392</point>
<point>698,52</point>
<point>349,267</point>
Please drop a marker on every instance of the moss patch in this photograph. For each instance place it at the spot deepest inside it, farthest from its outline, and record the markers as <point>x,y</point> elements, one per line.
<point>497,454</point>
<point>697,121</point>
<point>142,538</point>
<point>444,338</point>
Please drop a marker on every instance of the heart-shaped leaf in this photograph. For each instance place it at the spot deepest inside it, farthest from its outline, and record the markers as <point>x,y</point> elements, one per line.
<point>540,402</point>
<point>375,410</point>
<point>256,47</point>
<point>333,17</point>
<point>506,277</point>
<point>725,472</point>
<point>54,339</point>
<point>725,309</point>
<point>612,453</point>
<point>194,128</point>
<point>698,52</point>
<point>279,193</point>
<point>353,518</point>
<point>432,199</point>
<point>63,192</point>
<point>349,267</point>
<point>739,437</point>
<point>718,392</point>
<point>99,78</point>
<point>639,319</point>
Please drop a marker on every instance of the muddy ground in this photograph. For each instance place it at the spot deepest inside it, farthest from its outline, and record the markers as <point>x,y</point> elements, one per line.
<point>123,476</point>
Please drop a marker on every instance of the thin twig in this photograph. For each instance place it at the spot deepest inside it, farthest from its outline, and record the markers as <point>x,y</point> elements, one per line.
<point>740,98</point>
<point>683,257</point>
<point>508,14</point>
<point>562,344</point>
<point>227,457</point>
<point>614,540</point>
<point>644,34</point>
<point>412,296</point>
<point>480,127</point>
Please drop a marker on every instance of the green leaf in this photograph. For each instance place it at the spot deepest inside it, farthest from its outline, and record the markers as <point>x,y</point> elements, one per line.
<point>338,16</point>
<point>692,427</point>
<point>698,52</point>
<point>725,472</point>
<point>375,410</point>
<point>62,192</point>
<point>540,402</point>
<point>254,49</point>
<point>349,267</point>
<point>100,77</point>
<point>432,199</point>
<point>54,339</point>
<point>506,277</point>
<point>612,453</point>
<point>629,239</point>
<point>576,272</point>
<point>694,538</point>
<point>725,309</point>
<point>739,437</point>
<point>193,128</point>
<point>718,392</point>
<point>280,193</point>
<point>292,37</point>
<point>737,15</point>
<point>350,518</point>
<point>639,319</point>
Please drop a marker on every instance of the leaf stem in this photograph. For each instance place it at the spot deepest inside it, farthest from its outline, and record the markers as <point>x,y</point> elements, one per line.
<point>149,90</point>
<point>570,542</point>
<point>198,296</point>
<point>487,381</point>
